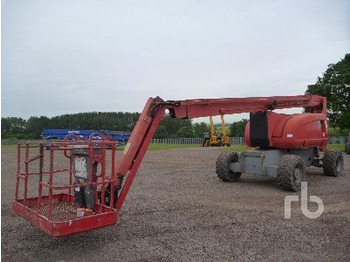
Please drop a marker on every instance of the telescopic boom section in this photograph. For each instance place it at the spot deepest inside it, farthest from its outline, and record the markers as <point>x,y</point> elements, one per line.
<point>154,112</point>
<point>210,107</point>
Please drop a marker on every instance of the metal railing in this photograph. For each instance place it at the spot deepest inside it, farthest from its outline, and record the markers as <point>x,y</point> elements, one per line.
<point>195,140</point>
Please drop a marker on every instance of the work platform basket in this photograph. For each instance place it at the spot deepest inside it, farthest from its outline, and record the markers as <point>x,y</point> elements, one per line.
<point>67,187</point>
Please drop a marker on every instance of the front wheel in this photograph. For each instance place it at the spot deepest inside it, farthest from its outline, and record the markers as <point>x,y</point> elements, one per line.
<point>291,172</point>
<point>223,167</point>
<point>333,163</point>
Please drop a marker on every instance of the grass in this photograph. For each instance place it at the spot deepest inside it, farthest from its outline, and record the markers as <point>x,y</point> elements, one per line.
<point>8,146</point>
<point>171,146</point>
<point>339,147</point>
<point>235,148</point>
<point>179,146</point>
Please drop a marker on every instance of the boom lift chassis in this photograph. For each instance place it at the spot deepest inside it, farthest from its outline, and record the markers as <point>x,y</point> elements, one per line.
<point>89,191</point>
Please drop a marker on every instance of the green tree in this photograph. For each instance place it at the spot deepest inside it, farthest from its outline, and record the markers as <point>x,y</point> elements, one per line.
<point>12,127</point>
<point>335,86</point>
<point>173,125</point>
<point>185,132</point>
<point>161,132</point>
<point>237,128</point>
<point>200,128</point>
<point>35,126</point>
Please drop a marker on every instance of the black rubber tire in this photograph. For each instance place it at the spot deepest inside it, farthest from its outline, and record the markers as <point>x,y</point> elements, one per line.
<point>347,148</point>
<point>291,172</point>
<point>333,163</point>
<point>223,164</point>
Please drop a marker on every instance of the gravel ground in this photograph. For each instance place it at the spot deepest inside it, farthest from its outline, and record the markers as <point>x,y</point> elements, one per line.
<point>178,210</point>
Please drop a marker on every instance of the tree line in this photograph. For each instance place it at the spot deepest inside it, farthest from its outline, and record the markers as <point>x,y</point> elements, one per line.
<point>18,128</point>
<point>334,85</point>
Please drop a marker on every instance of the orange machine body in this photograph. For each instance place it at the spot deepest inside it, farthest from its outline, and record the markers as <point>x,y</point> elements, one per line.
<point>287,131</point>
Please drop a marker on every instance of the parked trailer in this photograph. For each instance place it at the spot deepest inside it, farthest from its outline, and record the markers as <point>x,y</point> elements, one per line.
<point>61,134</point>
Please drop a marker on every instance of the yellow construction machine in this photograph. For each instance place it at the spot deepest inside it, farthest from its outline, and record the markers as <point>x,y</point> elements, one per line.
<point>225,141</point>
<point>214,139</point>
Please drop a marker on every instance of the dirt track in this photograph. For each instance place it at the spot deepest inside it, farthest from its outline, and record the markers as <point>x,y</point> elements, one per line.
<point>177,210</point>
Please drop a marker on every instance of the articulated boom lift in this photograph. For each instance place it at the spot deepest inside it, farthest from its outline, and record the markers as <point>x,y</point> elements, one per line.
<point>92,195</point>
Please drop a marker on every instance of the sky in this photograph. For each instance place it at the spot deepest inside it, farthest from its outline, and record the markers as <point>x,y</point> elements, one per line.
<point>63,56</point>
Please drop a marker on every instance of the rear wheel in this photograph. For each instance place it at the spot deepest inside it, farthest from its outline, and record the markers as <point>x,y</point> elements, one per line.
<point>223,167</point>
<point>333,163</point>
<point>291,172</point>
<point>347,148</point>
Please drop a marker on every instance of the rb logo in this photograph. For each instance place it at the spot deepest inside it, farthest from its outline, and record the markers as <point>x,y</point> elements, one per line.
<point>306,212</point>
